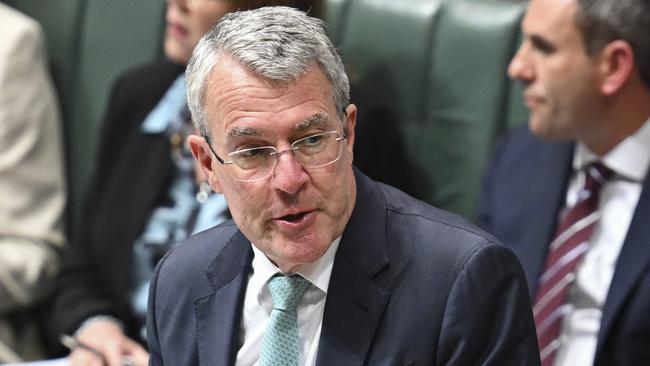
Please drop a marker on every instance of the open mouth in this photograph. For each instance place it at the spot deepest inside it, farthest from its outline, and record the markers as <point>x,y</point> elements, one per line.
<point>294,217</point>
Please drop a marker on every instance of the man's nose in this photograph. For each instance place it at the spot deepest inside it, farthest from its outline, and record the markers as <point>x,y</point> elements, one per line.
<point>520,67</point>
<point>289,175</point>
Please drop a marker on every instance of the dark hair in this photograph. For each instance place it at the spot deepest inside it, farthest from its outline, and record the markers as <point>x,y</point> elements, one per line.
<point>603,21</point>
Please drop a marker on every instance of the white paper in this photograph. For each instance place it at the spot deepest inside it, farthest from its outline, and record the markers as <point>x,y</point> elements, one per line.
<point>55,362</point>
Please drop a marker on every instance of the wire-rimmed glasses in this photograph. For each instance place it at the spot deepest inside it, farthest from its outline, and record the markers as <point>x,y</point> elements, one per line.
<point>313,151</point>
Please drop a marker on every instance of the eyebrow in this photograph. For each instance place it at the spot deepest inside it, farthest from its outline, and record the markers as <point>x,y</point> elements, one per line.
<point>236,132</point>
<point>315,120</point>
<point>541,43</point>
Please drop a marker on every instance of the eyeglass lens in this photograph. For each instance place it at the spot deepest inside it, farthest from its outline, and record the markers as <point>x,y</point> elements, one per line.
<point>311,152</point>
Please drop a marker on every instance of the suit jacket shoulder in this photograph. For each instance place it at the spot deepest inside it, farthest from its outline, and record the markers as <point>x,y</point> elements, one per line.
<point>195,258</point>
<point>523,190</point>
<point>420,285</point>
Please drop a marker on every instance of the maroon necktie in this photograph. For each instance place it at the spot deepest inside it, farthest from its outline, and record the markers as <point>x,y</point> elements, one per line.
<point>570,243</point>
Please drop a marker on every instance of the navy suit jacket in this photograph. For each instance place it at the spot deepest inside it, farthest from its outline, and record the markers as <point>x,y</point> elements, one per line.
<point>523,193</point>
<point>410,285</point>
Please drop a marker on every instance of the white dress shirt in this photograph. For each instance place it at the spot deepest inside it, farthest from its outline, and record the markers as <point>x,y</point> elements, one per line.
<point>258,305</point>
<point>618,199</point>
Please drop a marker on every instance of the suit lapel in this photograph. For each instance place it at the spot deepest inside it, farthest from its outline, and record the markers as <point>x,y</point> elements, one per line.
<point>540,205</point>
<point>632,263</point>
<point>218,314</point>
<point>355,302</point>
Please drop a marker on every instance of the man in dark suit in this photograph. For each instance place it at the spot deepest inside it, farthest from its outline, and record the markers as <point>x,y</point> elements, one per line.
<point>320,265</point>
<point>570,194</point>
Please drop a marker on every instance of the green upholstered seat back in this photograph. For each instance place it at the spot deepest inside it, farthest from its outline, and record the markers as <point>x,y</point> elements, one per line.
<point>439,68</point>
<point>90,42</point>
<point>467,98</point>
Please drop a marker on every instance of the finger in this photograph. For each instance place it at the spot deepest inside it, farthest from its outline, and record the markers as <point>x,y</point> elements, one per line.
<point>114,355</point>
<point>81,357</point>
<point>137,353</point>
<point>132,347</point>
<point>128,361</point>
<point>140,359</point>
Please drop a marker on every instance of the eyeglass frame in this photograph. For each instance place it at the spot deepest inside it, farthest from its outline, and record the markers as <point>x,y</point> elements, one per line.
<point>342,136</point>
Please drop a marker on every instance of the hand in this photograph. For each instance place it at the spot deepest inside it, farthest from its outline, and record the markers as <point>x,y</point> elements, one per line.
<point>107,338</point>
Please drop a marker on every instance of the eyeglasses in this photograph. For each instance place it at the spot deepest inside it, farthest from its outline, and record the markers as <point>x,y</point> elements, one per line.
<point>313,151</point>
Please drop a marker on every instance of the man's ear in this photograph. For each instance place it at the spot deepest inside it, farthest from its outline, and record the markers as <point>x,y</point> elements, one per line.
<point>616,66</point>
<point>203,159</point>
<point>351,122</point>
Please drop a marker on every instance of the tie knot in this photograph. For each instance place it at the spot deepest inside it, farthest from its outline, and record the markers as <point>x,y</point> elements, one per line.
<point>286,291</point>
<point>596,175</point>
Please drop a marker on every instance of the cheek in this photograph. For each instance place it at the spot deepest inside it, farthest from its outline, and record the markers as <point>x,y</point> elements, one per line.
<point>334,187</point>
<point>573,94</point>
<point>246,203</point>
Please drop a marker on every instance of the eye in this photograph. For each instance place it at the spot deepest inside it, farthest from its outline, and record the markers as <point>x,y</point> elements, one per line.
<point>253,158</point>
<point>312,145</point>
<point>311,140</point>
<point>254,152</point>
<point>542,45</point>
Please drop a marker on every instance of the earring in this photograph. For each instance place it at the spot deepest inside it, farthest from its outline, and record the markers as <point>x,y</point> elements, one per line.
<point>204,192</point>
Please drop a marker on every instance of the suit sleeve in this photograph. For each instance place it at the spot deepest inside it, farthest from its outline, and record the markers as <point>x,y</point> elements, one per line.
<point>155,355</point>
<point>32,174</point>
<point>488,318</point>
<point>490,178</point>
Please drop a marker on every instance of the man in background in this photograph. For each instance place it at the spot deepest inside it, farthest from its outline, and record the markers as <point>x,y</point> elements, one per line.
<point>32,183</point>
<point>570,194</point>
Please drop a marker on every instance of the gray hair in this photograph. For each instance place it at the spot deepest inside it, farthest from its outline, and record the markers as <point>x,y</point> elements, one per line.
<point>603,21</point>
<point>277,43</point>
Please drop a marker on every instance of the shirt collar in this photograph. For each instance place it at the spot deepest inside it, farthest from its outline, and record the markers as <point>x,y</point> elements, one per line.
<point>169,107</point>
<point>629,159</point>
<point>317,273</point>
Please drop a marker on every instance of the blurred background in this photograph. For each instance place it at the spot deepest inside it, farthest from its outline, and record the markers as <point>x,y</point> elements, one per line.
<point>429,77</point>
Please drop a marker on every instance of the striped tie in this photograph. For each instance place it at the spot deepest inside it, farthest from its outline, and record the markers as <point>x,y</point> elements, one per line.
<point>566,250</point>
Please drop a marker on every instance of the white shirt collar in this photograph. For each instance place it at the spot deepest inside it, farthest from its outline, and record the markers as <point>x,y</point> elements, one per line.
<point>629,159</point>
<point>317,273</point>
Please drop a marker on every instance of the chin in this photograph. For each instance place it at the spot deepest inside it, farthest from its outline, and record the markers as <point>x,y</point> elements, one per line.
<point>176,53</point>
<point>551,133</point>
<point>306,252</point>
<point>539,127</point>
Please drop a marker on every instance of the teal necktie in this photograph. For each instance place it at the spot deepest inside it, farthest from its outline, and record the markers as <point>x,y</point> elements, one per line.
<point>280,346</point>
